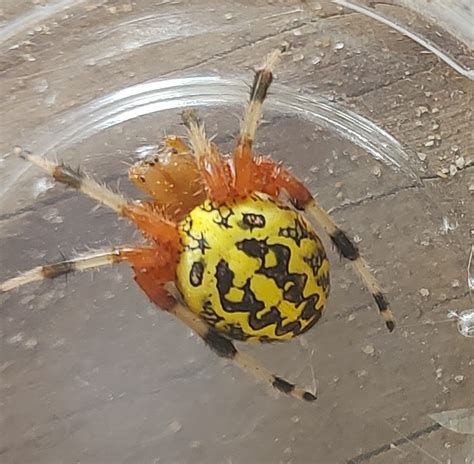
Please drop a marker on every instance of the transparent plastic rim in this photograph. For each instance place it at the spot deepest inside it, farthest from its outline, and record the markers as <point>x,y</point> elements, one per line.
<point>212,91</point>
<point>427,44</point>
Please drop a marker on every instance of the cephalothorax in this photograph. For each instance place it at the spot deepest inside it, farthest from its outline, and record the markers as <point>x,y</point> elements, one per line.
<point>225,253</point>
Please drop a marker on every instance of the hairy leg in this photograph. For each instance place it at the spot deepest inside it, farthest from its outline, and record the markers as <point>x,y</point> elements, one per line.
<point>139,257</point>
<point>243,156</point>
<point>223,347</point>
<point>273,178</point>
<point>145,215</point>
<point>211,164</point>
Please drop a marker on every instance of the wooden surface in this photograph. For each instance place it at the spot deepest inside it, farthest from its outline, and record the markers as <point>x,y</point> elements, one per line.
<point>122,387</point>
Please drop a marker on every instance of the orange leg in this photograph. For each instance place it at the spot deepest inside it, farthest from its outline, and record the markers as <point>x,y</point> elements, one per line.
<point>140,259</point>
<point>149,217</point>
<point>244,164</point>
<point>234,178</point>
<point>272,178</point>
<point>152,271</point>
<point>152,280</point>
<point>211,164</point>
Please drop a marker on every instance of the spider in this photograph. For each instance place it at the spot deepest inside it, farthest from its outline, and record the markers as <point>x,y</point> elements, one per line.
<point>228,251</point>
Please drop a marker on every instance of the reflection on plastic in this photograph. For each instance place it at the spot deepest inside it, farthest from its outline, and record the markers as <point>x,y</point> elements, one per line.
<point>465,322</point>
<point>440,52</point>
<point>457,420</point>
<point>160,95</point>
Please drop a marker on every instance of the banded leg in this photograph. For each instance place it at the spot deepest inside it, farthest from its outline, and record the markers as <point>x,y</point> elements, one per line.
<point>349,250</point>
<point>147,216</point>
<point>138,257</point>
<point>77,179</point>
<point>210,162</point>
<point>275,178</point>
<point>243,157</point>
<point>222,346</point>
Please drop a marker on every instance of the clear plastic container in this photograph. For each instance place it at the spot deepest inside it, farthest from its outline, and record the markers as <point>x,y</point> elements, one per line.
<point>91,371</point>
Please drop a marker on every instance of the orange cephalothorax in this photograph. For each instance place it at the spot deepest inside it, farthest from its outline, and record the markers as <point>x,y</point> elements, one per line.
<point>172,178</point>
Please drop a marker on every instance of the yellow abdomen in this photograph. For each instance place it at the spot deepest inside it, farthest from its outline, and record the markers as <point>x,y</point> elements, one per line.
<point>253,269</point>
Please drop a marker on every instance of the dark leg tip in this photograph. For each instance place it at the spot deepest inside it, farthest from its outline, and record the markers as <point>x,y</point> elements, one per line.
<point>390,325</point>
<point>190,118</point>
<point>344,245</point>
<point>282,385</point>
<point>307,396</point>
<point>219,344</point>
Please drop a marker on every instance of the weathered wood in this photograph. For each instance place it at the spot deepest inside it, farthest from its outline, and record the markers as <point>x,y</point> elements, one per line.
<point>86,379</point>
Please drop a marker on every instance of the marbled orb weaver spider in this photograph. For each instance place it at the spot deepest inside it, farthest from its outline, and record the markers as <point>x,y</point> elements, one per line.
<point>224,254</point>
